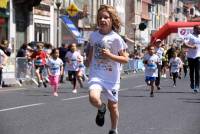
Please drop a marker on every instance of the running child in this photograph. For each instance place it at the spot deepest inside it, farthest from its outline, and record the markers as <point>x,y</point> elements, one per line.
<point>55,69</point>
<point>151,61</point>
<point>72,65</point>
<point>175,64</point>
<point>81,71</point>
<point>39,57</point>
<point>107,53</point>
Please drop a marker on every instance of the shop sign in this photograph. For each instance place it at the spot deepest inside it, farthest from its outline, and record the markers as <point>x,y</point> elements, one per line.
<point>3,3</point>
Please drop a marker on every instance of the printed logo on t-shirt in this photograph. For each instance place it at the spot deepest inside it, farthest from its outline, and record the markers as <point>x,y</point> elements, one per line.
<point>151,65</point>
<point>101,62</point>
<point>55,68</point>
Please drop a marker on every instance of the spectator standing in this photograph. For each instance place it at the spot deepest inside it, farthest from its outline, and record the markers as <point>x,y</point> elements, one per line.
<point>4,46</point>
<point>159,51</point>
<point>3,61</point>
<point>62,53</point>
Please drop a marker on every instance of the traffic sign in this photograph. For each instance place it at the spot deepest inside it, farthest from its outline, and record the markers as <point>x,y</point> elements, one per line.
<point>72,9</point>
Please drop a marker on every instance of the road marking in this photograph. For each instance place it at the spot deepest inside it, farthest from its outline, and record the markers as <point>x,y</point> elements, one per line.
<point>73,98</point>
<point>11,89</point>
<point>143,85</point>
<point>20,107</point>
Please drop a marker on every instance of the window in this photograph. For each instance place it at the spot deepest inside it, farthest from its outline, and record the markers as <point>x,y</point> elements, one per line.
<point>149,8</point>
<point>101,2</point>
<point>42,32</point>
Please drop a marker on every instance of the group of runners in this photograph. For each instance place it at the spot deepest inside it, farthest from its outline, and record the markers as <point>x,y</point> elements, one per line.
<point>107,51</point>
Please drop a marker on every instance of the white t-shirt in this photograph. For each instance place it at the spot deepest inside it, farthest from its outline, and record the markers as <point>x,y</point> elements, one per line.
<point>193,40</point>
<point>102,70</point>
<point>2,54</point>
<point>159,52</point>
<point>175,64</point>
<point>151,68</point>
<point>73,59</point>
<point>54,66</point>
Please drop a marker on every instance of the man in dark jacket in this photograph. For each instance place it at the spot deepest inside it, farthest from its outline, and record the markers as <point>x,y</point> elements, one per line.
<point>62,52</point>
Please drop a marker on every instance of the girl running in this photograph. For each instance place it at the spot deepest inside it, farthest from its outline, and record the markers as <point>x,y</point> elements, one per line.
<point>55,69</point>
<point>151,61</point>
<point>73,65</point>
<point>175,65</point>
<point>107,52</point>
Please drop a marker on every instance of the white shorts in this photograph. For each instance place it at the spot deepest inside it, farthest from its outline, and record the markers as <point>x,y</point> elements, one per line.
<point>110,94</point>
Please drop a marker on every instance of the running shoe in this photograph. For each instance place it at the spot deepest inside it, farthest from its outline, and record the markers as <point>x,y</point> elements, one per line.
<point>151,94</point>
<point>39,84</point>
<point>192,86</point>
<point>158,87</point>
<point>195,91</point>
<point>112,132</point>
<point>174,85</point>
<point>100,115</point>
<point>44,84</point>
<point>55,94</point>
<point>74,91</point>
<point>197,88</point>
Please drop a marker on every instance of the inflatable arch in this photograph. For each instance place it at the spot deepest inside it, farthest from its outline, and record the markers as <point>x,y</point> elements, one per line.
<point>170,27</point>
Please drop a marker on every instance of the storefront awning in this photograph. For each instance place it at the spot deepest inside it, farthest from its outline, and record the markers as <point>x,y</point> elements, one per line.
<point>66,20</point>
<point>73,29</point>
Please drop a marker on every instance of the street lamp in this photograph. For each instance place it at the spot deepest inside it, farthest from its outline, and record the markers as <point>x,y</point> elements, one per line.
<point>58,4</point>
<point>134,25</point>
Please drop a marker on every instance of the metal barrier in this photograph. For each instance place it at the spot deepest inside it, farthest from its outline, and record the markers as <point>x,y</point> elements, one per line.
<point>24,69</point>
<point>134,65</point>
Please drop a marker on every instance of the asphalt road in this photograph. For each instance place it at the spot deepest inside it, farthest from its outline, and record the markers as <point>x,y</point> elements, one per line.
<point>33,110</point>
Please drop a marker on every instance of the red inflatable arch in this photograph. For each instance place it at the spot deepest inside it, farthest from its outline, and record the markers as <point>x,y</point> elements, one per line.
<point>170,27</point>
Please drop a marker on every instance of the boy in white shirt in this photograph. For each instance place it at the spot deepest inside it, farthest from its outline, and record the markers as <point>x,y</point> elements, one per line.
<point>151,68</point>
<point>107,53</point>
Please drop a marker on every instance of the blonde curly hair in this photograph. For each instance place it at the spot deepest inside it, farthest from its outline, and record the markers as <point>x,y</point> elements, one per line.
<point>116,22</point>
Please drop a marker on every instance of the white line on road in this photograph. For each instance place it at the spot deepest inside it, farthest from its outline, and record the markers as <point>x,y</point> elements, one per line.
<point>73,98</point>
<point>20,107</point>
<point>12,89</point>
